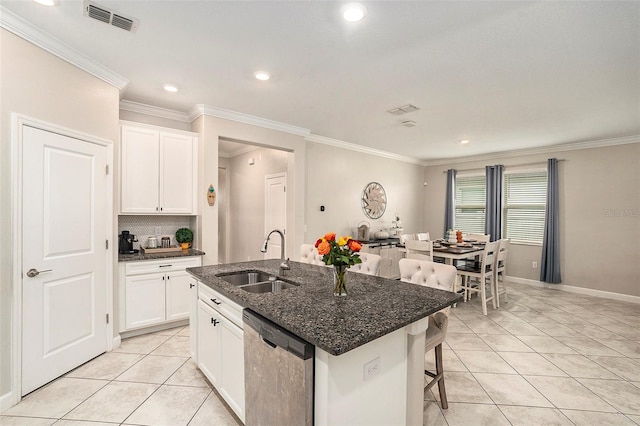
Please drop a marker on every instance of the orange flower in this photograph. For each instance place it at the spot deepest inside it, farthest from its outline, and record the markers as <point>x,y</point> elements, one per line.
<point>331,236</point>
<point>354,245</point>
<point>324,247</point>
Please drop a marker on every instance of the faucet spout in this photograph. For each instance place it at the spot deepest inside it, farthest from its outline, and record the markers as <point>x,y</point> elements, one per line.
<point>284,265</point>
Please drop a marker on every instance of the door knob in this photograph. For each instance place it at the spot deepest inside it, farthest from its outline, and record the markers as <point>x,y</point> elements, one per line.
<point>34,272</point>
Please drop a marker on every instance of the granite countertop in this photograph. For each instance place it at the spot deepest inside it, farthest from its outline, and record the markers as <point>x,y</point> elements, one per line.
<point>375,306</point>
<point>152,256</point>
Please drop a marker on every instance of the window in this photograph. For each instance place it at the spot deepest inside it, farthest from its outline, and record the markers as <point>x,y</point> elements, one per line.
<point>470,204</point>
<point>525,198</point>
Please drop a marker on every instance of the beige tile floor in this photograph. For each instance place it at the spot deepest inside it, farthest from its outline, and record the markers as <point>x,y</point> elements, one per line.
<point>544,358</point>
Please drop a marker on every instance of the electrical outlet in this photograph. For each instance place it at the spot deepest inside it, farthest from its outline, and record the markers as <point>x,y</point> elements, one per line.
<point>534,265</point>
<point>158,230</point>
<point>371,368</point>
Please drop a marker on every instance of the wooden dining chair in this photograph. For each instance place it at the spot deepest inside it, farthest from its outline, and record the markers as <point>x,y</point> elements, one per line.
<point>500,270</point>
<point>422,236</point>
<point>443,277</point>
<point>483,274</point>
<point>404,237</point>
<point>421,250</point>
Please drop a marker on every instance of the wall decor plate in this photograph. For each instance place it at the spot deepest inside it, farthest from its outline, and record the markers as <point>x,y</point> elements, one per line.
<point>374,200</point>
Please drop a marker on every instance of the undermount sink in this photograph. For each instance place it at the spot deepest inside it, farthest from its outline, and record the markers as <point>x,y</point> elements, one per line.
<point>274,286</point>
<point>257,281</point>
<point>245,277</point>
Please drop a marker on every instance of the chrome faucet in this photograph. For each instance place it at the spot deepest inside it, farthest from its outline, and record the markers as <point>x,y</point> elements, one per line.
<point>284,265</point>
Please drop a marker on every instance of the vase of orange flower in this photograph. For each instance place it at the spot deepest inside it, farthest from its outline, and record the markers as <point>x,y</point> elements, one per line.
<point>340,253</point>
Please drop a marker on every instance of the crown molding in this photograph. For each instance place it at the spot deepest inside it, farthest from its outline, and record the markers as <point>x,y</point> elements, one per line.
<point>573,146</point>
<point>202,109</point>
<point>24,29</point>
<point>360,148</point>
<point>154,111</point>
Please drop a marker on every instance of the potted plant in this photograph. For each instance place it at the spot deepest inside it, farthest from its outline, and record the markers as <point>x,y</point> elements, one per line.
<point>184,236</point>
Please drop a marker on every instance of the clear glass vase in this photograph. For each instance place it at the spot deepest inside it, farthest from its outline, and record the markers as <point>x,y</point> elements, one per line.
<point>339,280</point>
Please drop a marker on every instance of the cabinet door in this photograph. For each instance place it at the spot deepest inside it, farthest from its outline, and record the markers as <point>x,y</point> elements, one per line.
<point>385,262</point>
<point>232,366</point>
<point>209,342</point>
<point>145,300</point>
<point>178,294</point>
<point>139,170</point>
<point>177,173</point>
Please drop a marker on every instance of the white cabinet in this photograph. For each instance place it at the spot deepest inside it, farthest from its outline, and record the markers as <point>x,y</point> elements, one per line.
<point>390,257</point>
<point>220,348</point>
<point>159,169</point>
<point>156,291</point>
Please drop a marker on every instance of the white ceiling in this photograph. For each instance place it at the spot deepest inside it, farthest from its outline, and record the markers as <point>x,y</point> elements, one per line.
<point>506,75</point>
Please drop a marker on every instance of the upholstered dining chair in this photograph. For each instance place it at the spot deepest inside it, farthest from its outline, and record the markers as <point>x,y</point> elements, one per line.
<point>483,273</point>
<point>370,264</point>
<point>500,270</point>
<point>436,275</point>
<point>421,250</point>
<point>309,254</point>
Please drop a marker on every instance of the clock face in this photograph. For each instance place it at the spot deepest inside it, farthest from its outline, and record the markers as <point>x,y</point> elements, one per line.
<point>374,200</point>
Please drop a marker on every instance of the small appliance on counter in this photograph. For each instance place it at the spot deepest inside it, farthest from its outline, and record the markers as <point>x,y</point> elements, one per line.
<point>125,245</point>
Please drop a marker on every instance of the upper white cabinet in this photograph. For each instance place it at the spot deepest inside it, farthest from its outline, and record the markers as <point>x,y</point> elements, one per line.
<point>159,169</point>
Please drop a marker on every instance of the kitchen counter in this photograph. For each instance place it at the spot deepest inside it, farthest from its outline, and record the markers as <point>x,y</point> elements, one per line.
<point>153,256</point>
<point>374,307</point>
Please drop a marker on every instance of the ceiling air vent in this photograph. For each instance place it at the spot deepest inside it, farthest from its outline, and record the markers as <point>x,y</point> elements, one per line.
<point>102,14</point>
<point>409,123</point>
<point>403,109</point>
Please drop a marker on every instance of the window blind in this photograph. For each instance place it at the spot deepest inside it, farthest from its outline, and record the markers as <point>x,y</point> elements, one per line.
<point>525,197</point>
<point>470,204</point>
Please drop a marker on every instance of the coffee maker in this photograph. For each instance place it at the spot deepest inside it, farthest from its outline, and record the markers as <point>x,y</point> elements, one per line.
<point>125,245</point>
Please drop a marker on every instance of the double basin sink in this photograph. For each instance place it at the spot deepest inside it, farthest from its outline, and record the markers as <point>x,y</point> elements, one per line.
<point>257,281</point>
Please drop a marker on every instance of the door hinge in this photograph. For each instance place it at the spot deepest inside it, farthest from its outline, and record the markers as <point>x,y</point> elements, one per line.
<point>106,169</point>
<point>107,318</point>
<point>106,244</point>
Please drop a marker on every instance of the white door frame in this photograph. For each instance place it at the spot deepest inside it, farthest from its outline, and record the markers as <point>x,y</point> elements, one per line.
<point>266,182</point>
<point>18,121</point>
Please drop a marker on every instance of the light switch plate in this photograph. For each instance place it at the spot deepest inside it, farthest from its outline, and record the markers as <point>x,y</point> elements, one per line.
<point>158,230</point>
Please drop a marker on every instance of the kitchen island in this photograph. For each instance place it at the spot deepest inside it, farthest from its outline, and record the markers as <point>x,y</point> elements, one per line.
<point>369,357</point>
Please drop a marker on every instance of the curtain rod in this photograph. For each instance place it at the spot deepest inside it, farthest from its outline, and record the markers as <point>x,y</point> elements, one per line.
<point>511,165</point>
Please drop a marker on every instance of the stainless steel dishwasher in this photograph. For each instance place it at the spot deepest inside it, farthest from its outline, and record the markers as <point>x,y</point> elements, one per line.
<point>278,371</point>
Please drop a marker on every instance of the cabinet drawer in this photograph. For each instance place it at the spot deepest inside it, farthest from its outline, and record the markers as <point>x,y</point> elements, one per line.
<point>164,265</point>
<point>220,303</point>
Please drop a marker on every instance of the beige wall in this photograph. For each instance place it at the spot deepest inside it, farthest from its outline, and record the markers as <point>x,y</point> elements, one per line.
<point>599,216</point>
<point>247,200</point>
<point>336,178</point>
<point>37,84</point>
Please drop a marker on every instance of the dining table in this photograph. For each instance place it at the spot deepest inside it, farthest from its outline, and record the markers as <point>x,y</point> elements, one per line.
<point>457,251</point>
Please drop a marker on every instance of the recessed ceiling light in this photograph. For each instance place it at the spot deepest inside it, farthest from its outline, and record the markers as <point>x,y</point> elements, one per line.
<point>46,2</point>
<point>262,75</point>
<point>170,88</point>
<point>354,12</point>
<point>464,141</point>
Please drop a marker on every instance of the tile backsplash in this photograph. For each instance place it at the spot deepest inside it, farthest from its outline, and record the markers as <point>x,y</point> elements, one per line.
<point>144,227</point>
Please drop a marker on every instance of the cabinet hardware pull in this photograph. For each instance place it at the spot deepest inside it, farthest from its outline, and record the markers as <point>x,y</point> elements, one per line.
<point>164,266</point>
<point>160,208</point>
<point>191,285</point>
<point>156,209</point>
<point>216,301</point>
<point>214,322</point>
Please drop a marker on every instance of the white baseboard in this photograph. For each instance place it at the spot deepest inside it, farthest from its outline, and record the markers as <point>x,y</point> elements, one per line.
<point>117,340</point>
<point>7,401</point>
<point>578,290</point>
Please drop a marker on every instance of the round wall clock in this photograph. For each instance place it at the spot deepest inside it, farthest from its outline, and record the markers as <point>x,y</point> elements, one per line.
<point>374,200</point>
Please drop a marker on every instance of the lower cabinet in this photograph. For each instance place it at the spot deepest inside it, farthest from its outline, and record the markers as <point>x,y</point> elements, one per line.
<point>156,291</point>
<point>220,346</point>
<point>390,256</point>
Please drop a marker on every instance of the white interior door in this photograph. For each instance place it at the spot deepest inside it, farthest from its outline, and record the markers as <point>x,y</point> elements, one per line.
<point>64,232</point>
<point>275,211</point>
